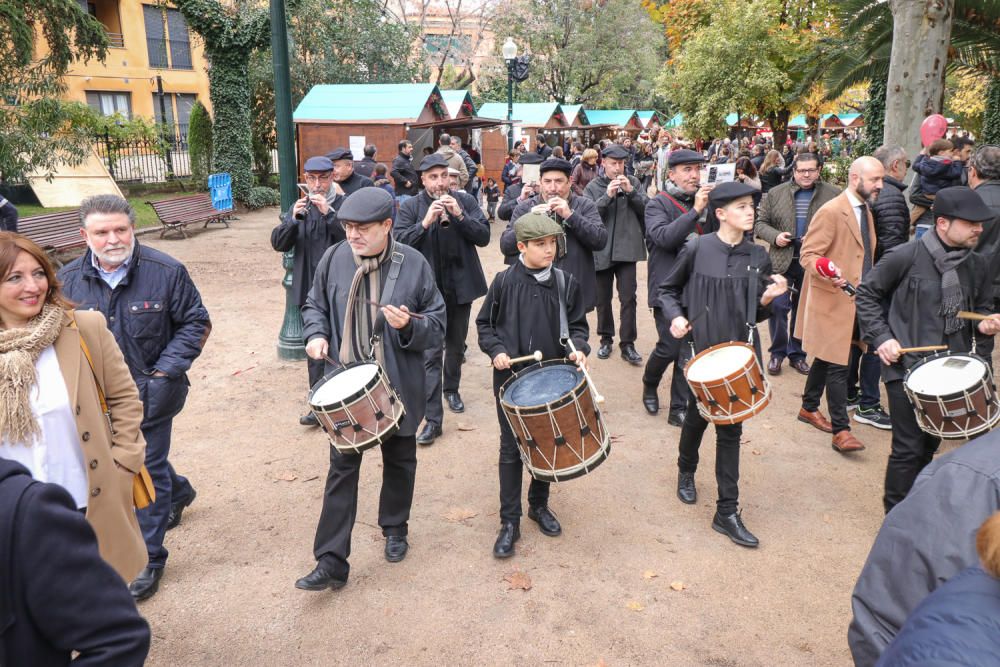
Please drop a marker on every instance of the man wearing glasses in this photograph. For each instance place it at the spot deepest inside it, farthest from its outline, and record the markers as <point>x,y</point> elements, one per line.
<point>309,228</point>
<point>784,217</point>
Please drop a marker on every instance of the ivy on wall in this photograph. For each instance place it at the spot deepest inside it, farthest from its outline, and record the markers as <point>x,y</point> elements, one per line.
<point>991,119</point>
<point>874,115</point>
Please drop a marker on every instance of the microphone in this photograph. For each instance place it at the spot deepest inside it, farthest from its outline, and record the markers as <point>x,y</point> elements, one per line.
<point>828,269</point>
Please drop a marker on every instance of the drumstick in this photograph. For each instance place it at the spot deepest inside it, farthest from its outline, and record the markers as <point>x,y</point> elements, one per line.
<point>923,348</point>
<point>968,315</point>
<point>330,359</point>
<point>697,317</point>
<point>767,281</point>
<point>597,394</point>
<point>416,316</point>
<point>534,356</point>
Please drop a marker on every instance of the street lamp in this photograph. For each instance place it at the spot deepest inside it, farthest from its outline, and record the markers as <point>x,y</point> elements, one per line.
<point>509,50</point>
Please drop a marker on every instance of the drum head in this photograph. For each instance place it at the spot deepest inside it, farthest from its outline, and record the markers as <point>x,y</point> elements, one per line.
<point>340,386</point>
<point>542,385</point>
<point>719,363</point>
<point>946,375</point>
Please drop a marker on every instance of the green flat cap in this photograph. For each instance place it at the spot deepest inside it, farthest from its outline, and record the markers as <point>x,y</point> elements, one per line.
<point>536,226</point>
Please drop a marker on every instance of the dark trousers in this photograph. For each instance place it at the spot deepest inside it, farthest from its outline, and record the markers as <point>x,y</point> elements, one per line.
<point>624,274</point>
<point>511,467</point>
<point>180,488</point>
<point>782,328</point>
<point>340,500</point>
<point>912,449</point>
<point>446,355</point>
<point>824,375</point>
<point>727,456</point>
<point>153,518</point>
<point>668,350</point>
<point>865,369</point>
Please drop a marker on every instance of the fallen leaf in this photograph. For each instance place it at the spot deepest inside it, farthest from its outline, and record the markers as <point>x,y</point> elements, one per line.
<point>755,452</point>
<point>518,579</point>
<point>456,514</point>
<point>649,574</point>
<point>678,585</point>
<point>244,370</point>
<point>287,476</point>
<point>466,427</point>
<point>600,663</point>
<point>634,606</point>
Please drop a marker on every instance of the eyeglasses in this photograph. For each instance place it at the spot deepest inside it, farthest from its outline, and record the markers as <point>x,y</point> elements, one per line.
<point>317,178</point>
<point>807,172</point>
<point>360,228</point>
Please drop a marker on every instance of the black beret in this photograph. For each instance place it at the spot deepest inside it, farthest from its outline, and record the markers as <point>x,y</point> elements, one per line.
<point>369,204</point>
<point>431,161</point>
<point>318,163</point>
<point>723,193</point>
<point>531,158</point>
<point>615,152</point>
<point>556,164</point>
<point>685,156</point>
<point>340,154</point>
<point>962,203</point>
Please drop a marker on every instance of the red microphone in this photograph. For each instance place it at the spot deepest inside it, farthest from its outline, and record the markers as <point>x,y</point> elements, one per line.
<point>828,269</point>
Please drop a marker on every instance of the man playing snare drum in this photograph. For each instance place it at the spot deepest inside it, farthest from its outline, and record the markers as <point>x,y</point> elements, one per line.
<point>341,322</point>
<point>923,284</point>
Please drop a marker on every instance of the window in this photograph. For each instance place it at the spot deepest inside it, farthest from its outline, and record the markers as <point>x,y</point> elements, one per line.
<point>183,103</point>
<point>106,12</point>
<point>110,103</point>
<point>167,39</point>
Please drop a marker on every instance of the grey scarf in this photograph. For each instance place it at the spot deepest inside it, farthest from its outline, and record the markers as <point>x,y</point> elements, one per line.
<point>541,275</point>
<point>359,316</point>
<point>947,262</point>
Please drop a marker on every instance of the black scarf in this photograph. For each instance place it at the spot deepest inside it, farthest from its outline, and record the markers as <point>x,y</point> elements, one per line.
<point>947,261</point>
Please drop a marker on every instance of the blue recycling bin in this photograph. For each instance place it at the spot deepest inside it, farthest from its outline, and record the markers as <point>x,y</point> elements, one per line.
<point>221,188</point>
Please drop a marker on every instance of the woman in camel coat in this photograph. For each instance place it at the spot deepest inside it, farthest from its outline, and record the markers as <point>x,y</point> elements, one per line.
<point>40,351</point>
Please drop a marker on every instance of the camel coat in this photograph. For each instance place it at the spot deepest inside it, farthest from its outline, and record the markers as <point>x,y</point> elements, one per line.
<point>110,509</point>
<point>825,321</point>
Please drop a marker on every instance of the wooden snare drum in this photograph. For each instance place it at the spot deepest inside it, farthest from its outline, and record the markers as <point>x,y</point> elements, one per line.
<point>728,382</point>
<point>953,395</point>
<point>357,407</point>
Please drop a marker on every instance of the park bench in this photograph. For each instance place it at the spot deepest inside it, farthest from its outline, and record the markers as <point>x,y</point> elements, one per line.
<point>54,232</point>
<point>179,212</point>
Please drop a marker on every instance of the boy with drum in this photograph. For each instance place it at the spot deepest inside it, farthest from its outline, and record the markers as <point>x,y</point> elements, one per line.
<point>912,297</point>
<point>521,315</point>
<point>717,280</point>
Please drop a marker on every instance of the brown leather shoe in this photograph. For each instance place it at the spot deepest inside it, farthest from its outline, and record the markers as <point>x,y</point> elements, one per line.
<point>845,442</point>
<point>774,365</point>
<point>801,366</point>
<point>815,419</point>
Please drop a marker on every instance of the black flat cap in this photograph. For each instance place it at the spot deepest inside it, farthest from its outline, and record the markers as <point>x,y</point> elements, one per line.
<point>340,154</point>
<point>962,203</point>
<point>685,156</point>
<point>318,163</point>
<point>723,193</point>
<point>531,158</point>
<point>431,161</point>
<point>556,164</point>
<point>369,204</point>
<point>615,152</point>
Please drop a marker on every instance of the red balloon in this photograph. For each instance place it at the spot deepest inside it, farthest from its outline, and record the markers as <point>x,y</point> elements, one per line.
<point>932,129</point>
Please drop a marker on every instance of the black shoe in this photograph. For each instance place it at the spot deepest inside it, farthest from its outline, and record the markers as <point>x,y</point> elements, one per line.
<point>685,488</point>
<point>320,579</point>
<point>630,355</point>
<point>732,526</point>
<point>546,520</point>
<point>430,433</point>
<point>308,419</point>
<point>604,351</point>
<point>146,584</point>
<point>650,400</point>
<point>455,403</point>
<point>177,509</point>
<point>510,533</point>
<point>395,548</point>
<point>676,418</point>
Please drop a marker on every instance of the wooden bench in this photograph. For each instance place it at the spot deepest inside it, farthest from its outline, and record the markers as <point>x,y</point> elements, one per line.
<point>54,232</point>
<point>179,212</point>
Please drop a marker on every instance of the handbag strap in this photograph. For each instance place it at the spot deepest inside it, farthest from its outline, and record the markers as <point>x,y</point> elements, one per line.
<point>97,383</point>
<point>683,209</point>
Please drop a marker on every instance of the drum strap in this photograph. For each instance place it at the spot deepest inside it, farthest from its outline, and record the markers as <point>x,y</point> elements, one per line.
<point>753,279</point>
<point>396,263</point>
<point>563,318</point>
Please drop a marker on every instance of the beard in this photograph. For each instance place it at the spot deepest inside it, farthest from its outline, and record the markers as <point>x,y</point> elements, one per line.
<point>117,254</point>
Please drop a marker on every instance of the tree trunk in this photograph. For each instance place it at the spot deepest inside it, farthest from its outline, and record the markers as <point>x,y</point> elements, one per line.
<point>920,37</point>
<point>779,127</point>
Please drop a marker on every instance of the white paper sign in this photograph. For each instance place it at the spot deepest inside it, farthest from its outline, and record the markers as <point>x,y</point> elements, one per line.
<point>357,146</point>
<point>718,173</point>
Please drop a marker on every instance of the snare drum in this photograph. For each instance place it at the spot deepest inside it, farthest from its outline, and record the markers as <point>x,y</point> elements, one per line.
<point>356,407</point>
<point>728,382</point>
<point>556,424</point>
<point>953,395</point>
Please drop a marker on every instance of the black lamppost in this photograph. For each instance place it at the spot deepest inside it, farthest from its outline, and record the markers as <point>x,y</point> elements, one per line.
<point>509,50</point>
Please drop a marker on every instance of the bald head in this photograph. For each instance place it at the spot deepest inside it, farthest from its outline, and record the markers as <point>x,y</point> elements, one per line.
<point>864,178</point>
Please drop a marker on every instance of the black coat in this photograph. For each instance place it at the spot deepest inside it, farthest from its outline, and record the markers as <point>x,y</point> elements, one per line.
<point>324,310</point>
<point>892,217</point>
<point>403,171</point>
<point>352,183</point>
<point>521,315</point>
<point>309,239</point>
<point>624,216</point>
<point>8,216</point>
<point>667,228</point>
<point>907,283</point>
<point>365,167</point>
<point>585,233</point>
<point>989,240</point>
<point>509,202</point>
<point>57,595</point>
<point>451,251</point>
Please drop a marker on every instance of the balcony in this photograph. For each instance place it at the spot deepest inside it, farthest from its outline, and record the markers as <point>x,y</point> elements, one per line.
<point>116,40</point>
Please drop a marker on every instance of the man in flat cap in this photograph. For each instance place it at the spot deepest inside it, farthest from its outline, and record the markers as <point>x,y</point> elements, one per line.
<point>341,322</point>
<point>672,216</point>
<point>454,160</point>
<point>585,233</point>
<point>345,180</point>
<point>446,225</point>
<point>309,228</point>
<point>622,204</point>
<point>521,191</point>
<point>912,298</point>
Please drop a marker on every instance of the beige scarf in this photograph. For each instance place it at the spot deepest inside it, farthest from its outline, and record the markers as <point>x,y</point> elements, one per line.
<point>356,336</point>
<point>19,350</point>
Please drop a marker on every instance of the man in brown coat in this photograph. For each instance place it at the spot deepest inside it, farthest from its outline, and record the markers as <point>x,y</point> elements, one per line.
<point>842,231</point>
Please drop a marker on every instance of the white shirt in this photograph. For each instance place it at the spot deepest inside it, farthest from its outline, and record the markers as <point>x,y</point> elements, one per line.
<point>861,214</point>
<point>56,455</point>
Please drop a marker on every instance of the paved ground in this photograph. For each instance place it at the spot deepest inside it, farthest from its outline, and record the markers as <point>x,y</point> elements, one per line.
<point>602,594</point>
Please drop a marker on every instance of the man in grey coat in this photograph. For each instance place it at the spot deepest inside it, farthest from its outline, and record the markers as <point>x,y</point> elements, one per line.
<point>622,205</point>
<point>984,178</point>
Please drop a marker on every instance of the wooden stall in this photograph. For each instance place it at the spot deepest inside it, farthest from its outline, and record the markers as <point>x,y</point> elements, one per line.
<point>529,120</point>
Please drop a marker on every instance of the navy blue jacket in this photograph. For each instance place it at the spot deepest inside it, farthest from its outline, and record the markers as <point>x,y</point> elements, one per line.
<point>8,216</point>
<point>958,624</point>
<point>56,593</point>
<point>155,312</point>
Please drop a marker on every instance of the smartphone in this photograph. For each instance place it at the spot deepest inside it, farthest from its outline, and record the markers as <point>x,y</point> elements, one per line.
<point>709,174</point>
